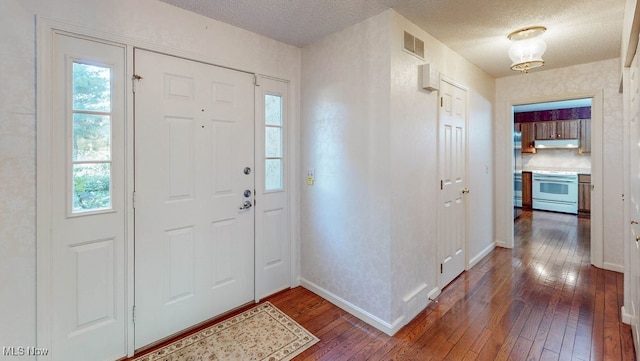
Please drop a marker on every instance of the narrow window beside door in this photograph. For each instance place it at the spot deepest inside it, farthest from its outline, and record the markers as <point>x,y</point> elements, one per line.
<point>91,138</point>
<point>273,142</point>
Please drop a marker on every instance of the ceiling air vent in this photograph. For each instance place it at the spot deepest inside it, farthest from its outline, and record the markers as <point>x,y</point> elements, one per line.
<point>413,45</point>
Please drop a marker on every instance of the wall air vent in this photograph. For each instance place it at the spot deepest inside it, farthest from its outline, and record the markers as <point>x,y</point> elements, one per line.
<point>413,45</point>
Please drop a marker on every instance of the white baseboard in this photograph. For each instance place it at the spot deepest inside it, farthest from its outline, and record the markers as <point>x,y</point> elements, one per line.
<point>386,327</point>
<point>613,267</point>
<point>474,261</point>
<point>500,244</point>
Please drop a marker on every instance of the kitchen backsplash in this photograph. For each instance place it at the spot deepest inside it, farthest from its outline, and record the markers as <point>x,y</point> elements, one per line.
<point>568,160</point>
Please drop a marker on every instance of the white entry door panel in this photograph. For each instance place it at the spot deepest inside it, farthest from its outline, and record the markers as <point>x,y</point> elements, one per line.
<point>453,180</point>
<point>273,248</point>
<point>194,245</point>
<point>86,265</point>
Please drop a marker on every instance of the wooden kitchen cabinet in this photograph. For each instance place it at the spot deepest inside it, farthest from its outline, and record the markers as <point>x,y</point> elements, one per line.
<point>565,129</point>
<point>585,136</point>
<point>568,129</point>
<point>545,130</point>
<point>527,190</point>
<point>528,137</point>
<point>584,195</point>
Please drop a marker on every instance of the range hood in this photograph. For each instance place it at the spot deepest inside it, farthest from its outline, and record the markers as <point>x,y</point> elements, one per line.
<point>557,143</point>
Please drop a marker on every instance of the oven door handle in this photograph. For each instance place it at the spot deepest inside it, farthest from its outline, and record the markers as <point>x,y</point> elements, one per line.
<point>547,180</point>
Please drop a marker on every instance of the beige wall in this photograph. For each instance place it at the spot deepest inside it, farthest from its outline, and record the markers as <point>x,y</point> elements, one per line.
<point>369,130</point>
<point>414,163</point>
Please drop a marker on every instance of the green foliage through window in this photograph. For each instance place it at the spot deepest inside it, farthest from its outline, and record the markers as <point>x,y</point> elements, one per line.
<point>91,137</point>
<point>273,142</point>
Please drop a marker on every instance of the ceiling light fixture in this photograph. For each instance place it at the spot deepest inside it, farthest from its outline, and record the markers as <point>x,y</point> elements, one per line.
<point>527,48</point>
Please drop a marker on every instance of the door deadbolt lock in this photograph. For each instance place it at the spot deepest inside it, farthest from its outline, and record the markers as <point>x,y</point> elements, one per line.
<point>247,193</point>
<point>247,170</point>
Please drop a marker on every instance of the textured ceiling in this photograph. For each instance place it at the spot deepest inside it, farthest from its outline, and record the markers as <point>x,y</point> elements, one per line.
<point>579,31</point>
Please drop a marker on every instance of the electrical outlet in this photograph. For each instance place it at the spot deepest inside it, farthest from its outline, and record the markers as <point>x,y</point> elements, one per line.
<point>311,178</point>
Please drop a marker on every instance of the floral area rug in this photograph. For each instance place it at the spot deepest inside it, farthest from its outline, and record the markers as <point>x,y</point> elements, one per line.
<point>261,333</point>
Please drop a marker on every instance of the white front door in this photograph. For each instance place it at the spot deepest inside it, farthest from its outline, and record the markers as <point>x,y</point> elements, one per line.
<point>273,251</point>
<point>86,157</point>
<point>453,180</point>
<point>194,184</point>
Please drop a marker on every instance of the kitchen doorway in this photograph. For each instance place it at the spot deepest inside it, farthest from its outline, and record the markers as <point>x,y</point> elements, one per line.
<point>557,161</point>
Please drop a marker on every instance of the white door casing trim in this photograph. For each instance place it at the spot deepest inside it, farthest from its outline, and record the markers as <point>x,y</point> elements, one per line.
<point>45,28</point>
<point>597,250</point>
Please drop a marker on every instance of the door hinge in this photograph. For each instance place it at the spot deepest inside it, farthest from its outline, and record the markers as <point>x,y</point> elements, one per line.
<point>255,80</point>
<point>441,184</point>
<point>441,101</point>
<point>133,199</point>
<point>134,79</point>
<point>441,268</point>
<point>133,314</point>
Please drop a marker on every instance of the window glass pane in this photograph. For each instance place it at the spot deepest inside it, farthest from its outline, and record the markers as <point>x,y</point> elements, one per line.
<point>273,174</point>
<point>91,87</point>
<point>273,109</point>
<point>91,137</point>
<point>273,142</point>
<point>91,187</point>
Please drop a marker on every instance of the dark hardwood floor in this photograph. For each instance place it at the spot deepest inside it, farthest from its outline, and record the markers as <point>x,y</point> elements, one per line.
<point>541,300</point>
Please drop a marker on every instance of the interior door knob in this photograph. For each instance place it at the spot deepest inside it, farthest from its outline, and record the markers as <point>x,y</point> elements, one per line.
<point>465,190</point>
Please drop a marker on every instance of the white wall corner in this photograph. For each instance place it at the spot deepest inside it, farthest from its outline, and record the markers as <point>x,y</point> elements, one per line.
<point>626,317</point>
<point>386,327</point>
<point>474,261</point>
<point>613,267</point>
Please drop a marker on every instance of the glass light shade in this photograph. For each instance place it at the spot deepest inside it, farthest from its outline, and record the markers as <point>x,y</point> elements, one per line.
<point>527,53</point>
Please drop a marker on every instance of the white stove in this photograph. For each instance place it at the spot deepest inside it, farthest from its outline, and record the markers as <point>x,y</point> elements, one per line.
<point>555,191</point>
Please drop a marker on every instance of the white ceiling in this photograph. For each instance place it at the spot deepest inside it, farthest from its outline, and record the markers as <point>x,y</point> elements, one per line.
<point>579,31</point>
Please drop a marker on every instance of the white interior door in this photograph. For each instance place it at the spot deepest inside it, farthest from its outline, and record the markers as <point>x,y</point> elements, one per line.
<point>194,236</point>
<point>453,180</point>
<point>634,205</point>
<point>86,264</point>
<point>273,251</point>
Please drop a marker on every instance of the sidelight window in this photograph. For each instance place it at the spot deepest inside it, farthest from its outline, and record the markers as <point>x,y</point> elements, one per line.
<point>273,142</point>
<point>91,138</point>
